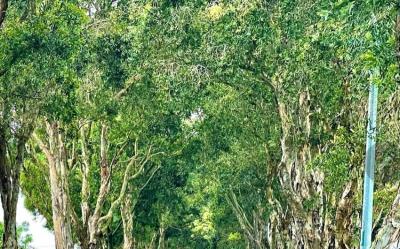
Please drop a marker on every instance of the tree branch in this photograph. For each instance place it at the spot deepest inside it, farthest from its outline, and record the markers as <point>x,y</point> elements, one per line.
<point>127,178</point>
<point>43,147</point>
<point>85,190</point>
<point>130,83</point>
<point>105,174</point>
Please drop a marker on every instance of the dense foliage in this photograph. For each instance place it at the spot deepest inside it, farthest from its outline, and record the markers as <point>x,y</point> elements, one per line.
<point>200,124</point>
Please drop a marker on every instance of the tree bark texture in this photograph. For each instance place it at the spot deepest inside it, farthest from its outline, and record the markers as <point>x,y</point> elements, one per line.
<point>10,167</point>
<point>9,195</point>
<point>388,236</point>
<point>306,221</point>
<point>58,171</point>
<point>127,221</point>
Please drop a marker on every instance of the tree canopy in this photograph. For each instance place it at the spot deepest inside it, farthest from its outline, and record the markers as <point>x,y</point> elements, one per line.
<point>198,124</point>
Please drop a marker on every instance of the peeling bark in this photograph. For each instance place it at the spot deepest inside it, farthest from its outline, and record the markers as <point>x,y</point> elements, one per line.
<point>94,225</point>
<point>343,217</point>
<point>299,227</point>
<point>388,236</point>
<point>306,222</point>
<point>56,156</point>
<point>127,221</point>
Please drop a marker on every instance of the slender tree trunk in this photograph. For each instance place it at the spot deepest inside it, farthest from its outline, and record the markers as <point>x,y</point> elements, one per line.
<point>85,190</point>
<point>94,221</point>
<point>61,219</point>
<point>127,221</point>
<point>161,239</point>
<point>58,171</point>
<point>255,229</point>
<point>10,234</point>
<point>9,187</point>
<point>8,200</point>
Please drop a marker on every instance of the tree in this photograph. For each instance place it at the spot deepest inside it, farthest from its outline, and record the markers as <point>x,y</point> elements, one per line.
<point>24,82</point>
<point>307,78</point>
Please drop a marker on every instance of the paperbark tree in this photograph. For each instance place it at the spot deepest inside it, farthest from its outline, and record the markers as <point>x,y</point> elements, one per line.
<point>91,227</point>
<point>280,110</point>
<point>56,154</point>
<point>22,100</point>
<point>129,201</point>
<point>309,209</point>
<point>10,162</point>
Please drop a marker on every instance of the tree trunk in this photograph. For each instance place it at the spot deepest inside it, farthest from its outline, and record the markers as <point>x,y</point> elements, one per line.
<point>92,228</point>
<point>9,187</point>
<point>255,232</point>
<point>296,225</point>
<point>61,219</point>
<point>161,239</point>
<point>305,222</point>
<point>10,232</point>
<point>95,225</point>
<point>9,199</point>
<point>127,221</point>
<point>388,236</point>
<point>58,171</point>
<point>85,189</point>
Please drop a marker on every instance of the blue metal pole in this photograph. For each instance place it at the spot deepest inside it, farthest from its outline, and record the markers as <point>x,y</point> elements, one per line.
<point>367,210</point>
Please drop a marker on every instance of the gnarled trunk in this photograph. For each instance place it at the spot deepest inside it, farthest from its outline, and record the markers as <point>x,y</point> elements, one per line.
<point>388,236</point>
<point>296,226</point>
<point>305,222</point>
